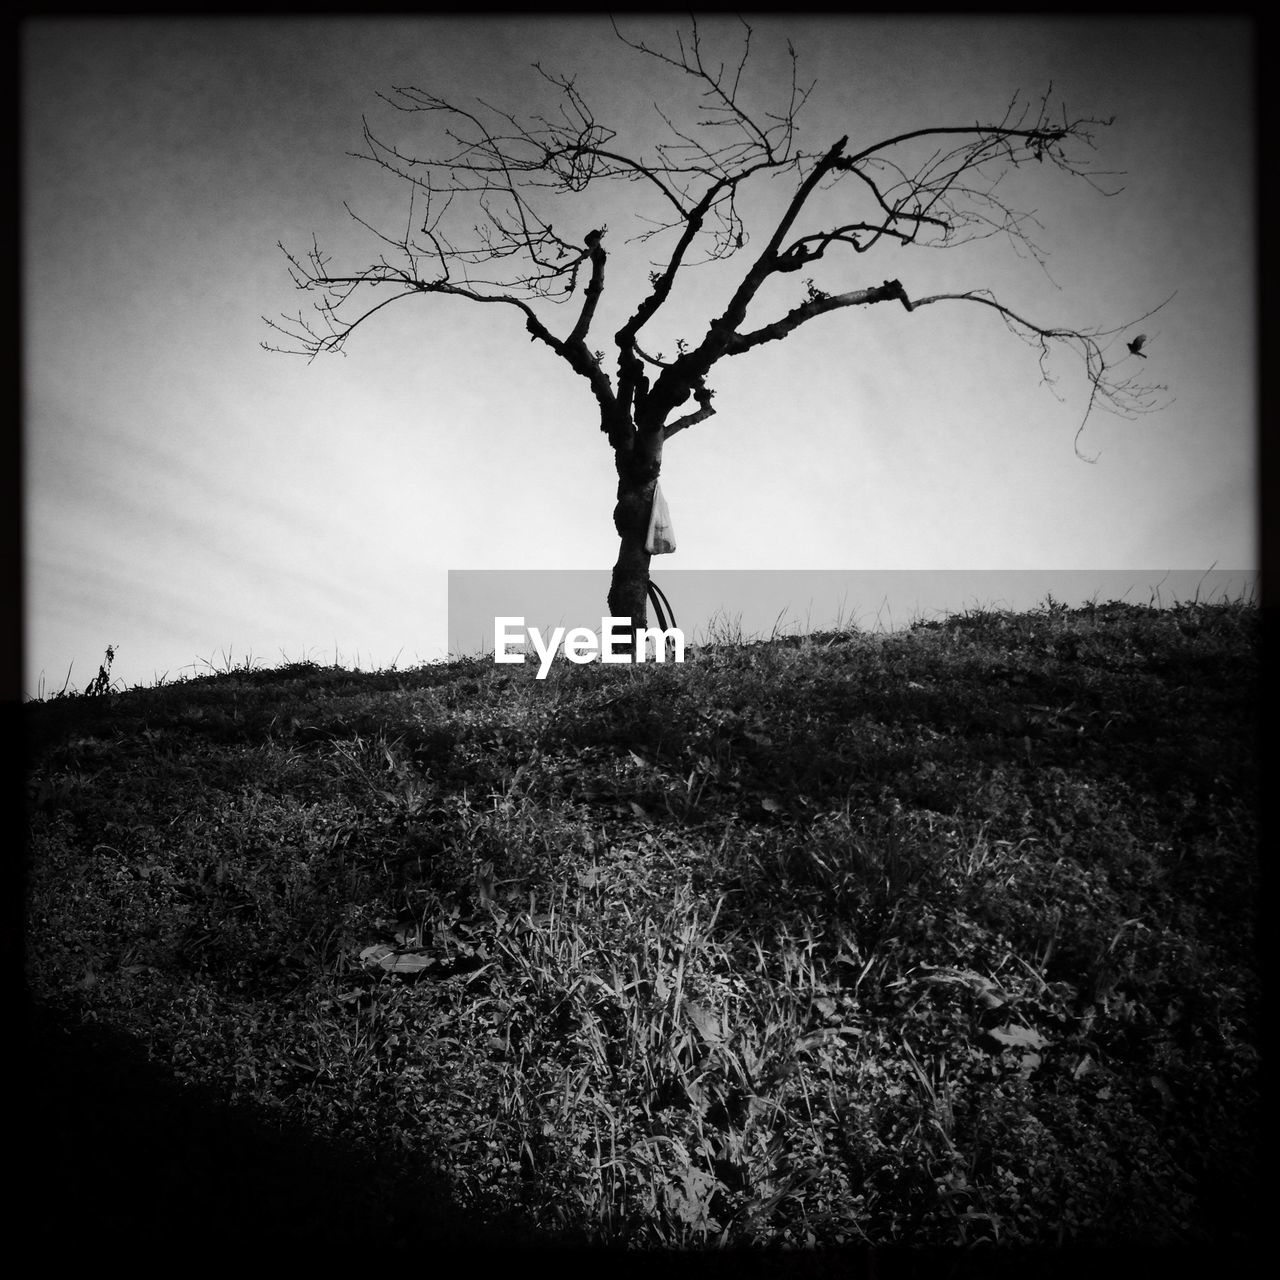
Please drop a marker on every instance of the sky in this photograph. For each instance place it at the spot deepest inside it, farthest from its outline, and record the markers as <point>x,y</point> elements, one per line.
<point>195,501</point>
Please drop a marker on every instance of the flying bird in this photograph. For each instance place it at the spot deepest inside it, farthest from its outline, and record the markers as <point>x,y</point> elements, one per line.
<point>1136,345</point>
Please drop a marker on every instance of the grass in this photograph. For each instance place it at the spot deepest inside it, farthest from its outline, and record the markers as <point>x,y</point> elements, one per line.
<point>837,942</point>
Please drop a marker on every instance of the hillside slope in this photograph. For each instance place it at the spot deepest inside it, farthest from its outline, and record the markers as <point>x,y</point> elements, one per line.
<point>945,937</point>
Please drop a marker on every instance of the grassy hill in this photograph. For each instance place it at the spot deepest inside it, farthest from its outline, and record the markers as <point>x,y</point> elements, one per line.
<point>945,937</point>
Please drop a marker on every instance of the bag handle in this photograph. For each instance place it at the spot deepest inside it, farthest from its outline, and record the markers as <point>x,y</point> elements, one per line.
<point>655,595</point>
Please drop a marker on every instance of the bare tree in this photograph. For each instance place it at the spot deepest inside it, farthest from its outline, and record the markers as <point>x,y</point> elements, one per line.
<point>482,210</point>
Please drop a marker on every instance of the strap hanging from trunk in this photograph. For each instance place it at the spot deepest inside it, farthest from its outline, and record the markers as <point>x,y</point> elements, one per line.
<point>657,599</point>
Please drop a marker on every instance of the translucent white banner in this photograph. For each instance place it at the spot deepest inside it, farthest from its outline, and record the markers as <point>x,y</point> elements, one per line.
<point>747,604</point>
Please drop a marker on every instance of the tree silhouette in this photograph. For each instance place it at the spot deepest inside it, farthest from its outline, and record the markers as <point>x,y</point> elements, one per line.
<point>482,210</point>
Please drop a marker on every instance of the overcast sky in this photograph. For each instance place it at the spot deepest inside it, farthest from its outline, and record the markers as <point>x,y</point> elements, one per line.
<point>189,496</point>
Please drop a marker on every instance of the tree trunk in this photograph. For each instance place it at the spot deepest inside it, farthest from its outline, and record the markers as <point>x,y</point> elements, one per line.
<point>638,469</point>
<point>629,588</point>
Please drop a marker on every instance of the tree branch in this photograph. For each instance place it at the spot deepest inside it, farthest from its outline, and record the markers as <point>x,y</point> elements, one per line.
<point>1125,397</point>
<point>595,286</point>
<point>705,410</point>
<point>818,304</point>
<point>482,204</point>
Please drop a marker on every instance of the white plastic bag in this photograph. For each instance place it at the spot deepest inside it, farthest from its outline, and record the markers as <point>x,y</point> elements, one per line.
<point>662,537</point>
